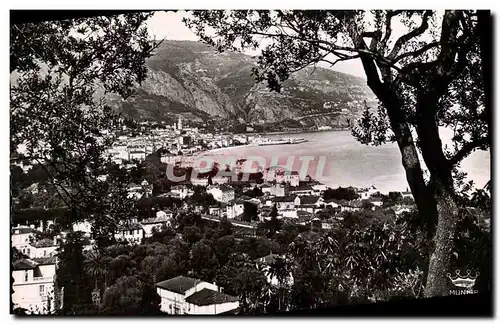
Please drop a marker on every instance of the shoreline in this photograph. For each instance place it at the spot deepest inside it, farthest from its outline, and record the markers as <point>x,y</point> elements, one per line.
<point>302,131</point>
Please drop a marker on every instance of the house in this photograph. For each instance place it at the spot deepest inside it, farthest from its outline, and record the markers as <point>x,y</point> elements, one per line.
<point>278,190</point>
<point>139,155</point>
<point>20,238</point>
<point>43,248</point>
<point>34,285</point>
<point>220,180</point>
<point>287,206</point>
<point>235,208</point>
<point>214,211</point>
<point>130,231</point>
<point>293,179</point>
<point>301,190</point>
<point>264,212</point>
<point>352,205</point>
<point>181,191</point>
<point>199,182</point>
<point>185,295</point>
<point>318,188</point>
<point>137,191</point>
<point>82,226</point>
<point>304,217</point>
<point>407,193</point>
<point>366,193</point>
<point>310,203</point>
<point>266,188</point>
<point>162,218</point>
<point>376,201</point>
<point>210,302</point>
<point>222,194</point>
<point>334,203</point>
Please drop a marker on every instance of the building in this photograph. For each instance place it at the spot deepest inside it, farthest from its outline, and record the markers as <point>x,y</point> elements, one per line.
<point>21,237</point>
<point>278,190</point>
<point>43,248</point>
<point>235,208</point>
<point>181,191</point>
<point>131,232</point>
<point>222,194</point>
<point>34,285</point>
<point>199,182</point>
<point>210,302</point>
<point>366,193</point>
<point>162,218</point>
<point>139,155</point>
<point>311,203</point>
<point>184,295</point>
<point>376,201</point>
<point>287,206</point>
<point>301,190</point>
<point>83,226</point>
<point>407,193</point>
<point>138,191</point>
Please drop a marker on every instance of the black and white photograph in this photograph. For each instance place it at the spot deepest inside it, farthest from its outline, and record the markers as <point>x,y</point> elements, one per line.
<point>251,162</point>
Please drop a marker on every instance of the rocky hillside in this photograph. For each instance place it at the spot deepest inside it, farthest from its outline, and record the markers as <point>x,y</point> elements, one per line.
<point>192,79</point>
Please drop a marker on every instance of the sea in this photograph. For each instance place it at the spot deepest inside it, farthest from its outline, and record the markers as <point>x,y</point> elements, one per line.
<point>336,159</point>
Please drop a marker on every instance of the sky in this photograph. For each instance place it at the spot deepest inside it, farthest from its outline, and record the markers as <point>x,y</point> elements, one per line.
<point>170,25</point>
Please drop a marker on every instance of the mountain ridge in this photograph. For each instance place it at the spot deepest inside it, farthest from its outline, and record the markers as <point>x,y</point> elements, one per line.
<point>193,79</point>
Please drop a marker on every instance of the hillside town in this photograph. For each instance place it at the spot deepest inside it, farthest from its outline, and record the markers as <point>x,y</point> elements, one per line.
<point>275,194</point>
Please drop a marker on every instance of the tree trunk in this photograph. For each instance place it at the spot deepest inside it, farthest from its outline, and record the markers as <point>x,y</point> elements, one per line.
<point>443,191</point>
<point>437,281</point>
<point>423,197</point>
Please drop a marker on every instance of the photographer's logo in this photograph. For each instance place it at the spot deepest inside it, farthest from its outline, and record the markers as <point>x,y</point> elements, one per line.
<point>464,284</point>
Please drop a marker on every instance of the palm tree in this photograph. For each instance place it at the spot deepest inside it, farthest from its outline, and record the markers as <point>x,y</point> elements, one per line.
<point>96,265</point>
<point>280,269</point>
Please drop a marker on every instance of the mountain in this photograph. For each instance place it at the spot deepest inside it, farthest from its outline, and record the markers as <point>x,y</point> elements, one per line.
<point>192,79</point>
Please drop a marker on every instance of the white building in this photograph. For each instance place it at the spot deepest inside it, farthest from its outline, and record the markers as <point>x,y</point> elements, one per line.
<point>235,208</point>
<point>20,238</point>
<point>184,295</point>
<point>139,155</point>
<point>199,182</point>
<point>131,232</point>
<point>34,285</point>
<point>287,206</point>
<point>182,191</point>
<point>222,194</point>
<point>162,218</point>
<point>43,248</point>
<point>83,226</point>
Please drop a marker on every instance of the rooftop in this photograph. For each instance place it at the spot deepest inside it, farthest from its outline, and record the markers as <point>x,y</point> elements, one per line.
<point>309,200</point>
<point>44,243</point>
<point>284,199</point>
<point>179,284</point>
<point>45,261</point>
<point>24,264</point>
<point>209,297</point>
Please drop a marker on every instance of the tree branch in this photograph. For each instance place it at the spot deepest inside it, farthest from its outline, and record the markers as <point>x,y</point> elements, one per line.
<point>416,53</point>
<point>466,149</point>
<point>414,33</point>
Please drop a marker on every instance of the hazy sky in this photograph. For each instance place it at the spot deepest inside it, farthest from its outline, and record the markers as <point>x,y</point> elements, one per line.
<point>170,25</point>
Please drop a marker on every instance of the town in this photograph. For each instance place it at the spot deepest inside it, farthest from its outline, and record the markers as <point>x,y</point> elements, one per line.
<point>274,193</point>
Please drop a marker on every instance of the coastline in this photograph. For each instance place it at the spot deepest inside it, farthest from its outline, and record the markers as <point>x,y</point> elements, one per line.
<point>300,131</point>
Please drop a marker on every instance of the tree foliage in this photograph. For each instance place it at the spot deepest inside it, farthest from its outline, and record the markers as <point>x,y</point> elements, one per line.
<point>431,76</point>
